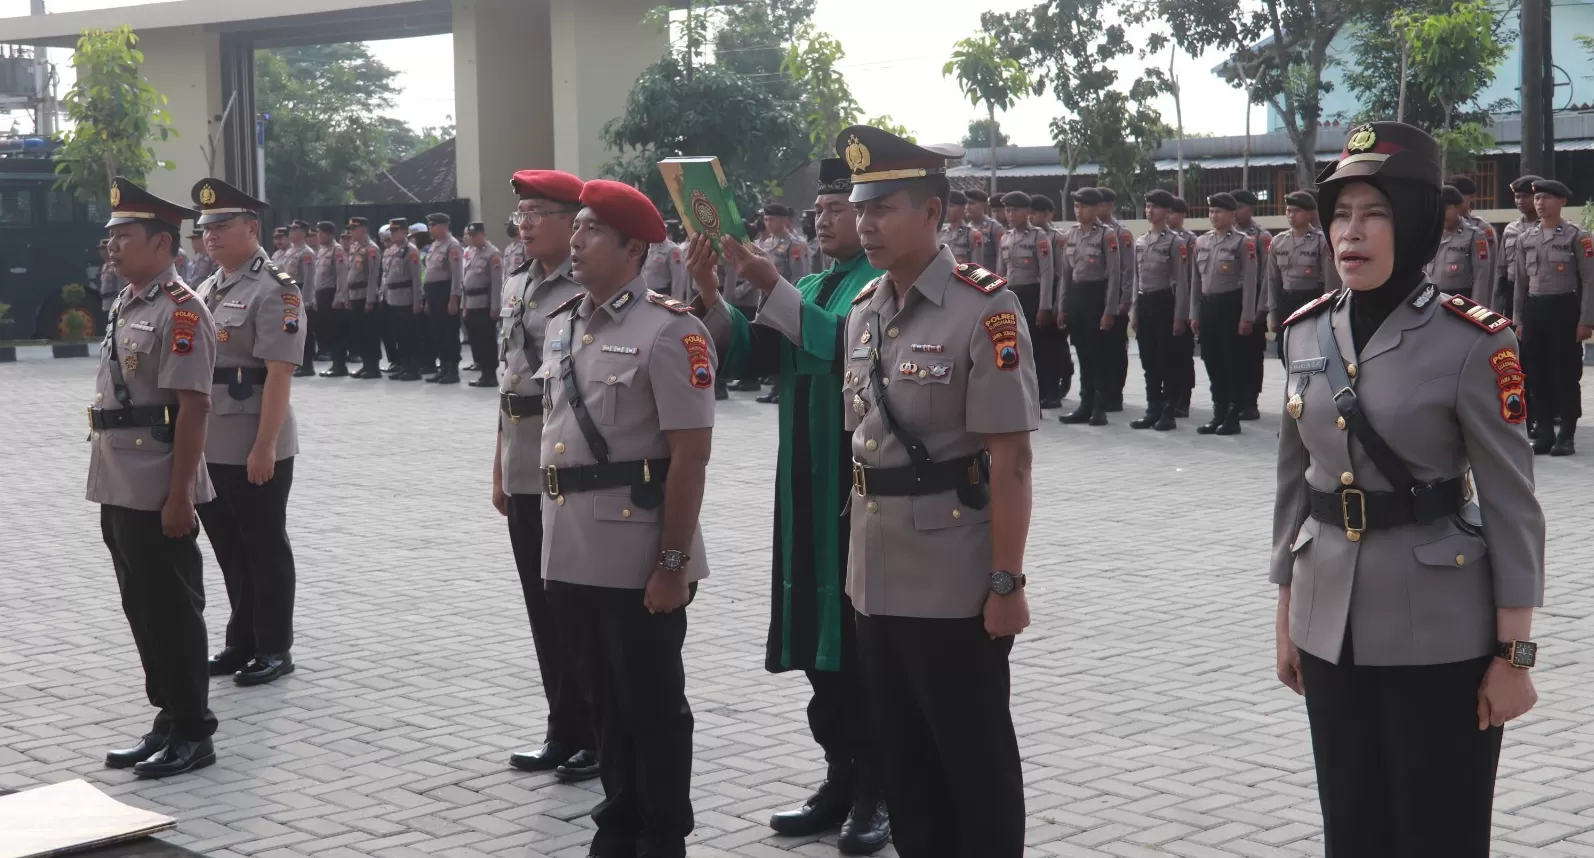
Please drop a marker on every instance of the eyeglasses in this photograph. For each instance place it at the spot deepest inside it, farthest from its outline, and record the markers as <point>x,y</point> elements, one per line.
<point>534,216</point>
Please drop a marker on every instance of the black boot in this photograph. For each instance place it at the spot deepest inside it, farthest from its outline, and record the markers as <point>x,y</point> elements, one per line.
<point>1182,407</point>
<point>1247,412</point>
<point>1563,440</point>
<point>450,374</point>
<point>1154,412</point>
<point>1219,409</point>
<point>304,371</point>
<point>367,372</point>
<point>1087,404</point>
<point>1543,437</point>
<point>827,808</point>
<point>488,379</point>
<point>1113,402</point>
<point>867,828</point>
<point>1098,415</point>
<point>338,370</point>
<point>1231,422</point>
<point>1165,422</point>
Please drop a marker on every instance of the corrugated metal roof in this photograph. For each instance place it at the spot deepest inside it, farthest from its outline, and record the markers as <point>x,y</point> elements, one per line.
<point>1582,145</point>
<point>1164,165</point>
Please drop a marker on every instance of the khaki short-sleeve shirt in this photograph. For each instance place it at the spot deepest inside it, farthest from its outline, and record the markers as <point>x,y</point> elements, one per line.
<point>531,294</point>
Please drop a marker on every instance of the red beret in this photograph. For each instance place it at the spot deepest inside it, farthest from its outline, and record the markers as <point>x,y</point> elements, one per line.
<point>548,185</point>
<point>625,208</point>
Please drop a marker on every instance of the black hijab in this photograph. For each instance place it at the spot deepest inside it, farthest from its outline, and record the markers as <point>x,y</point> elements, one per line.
<point>1419,223</point>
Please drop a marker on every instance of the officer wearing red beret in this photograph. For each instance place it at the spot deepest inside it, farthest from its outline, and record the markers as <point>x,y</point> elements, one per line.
<point>629,405</point>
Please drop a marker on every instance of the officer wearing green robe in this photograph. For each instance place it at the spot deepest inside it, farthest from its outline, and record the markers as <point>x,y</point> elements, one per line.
<point>798,336</point>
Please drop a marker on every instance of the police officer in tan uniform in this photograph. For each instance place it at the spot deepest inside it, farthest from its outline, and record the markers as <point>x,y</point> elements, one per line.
<point>1183,381</point>
<point>1469,194</point>
<point>253,439</point>
<point>147,473</point>
<point>979,210</point>
<point>788,250</point>
<point>482,294</point>
<point>1114,342</point>
<point>1299,266</point>
<point>279,244</point>
<point>1502,297</point>
<point>443,283</point>
<point>1461,266</point>
<point>548,202</point>
<point>331,268</point>
<point>1054,366</point>
<point>1405,596</point>
<point>359,295</point>
<point>1555,314</point>
<point>664,267</point>
<point>1162,295</point>
<point>1223,300</point>
<point>1254,344</point>
<point>629,404</point>
<point>401,297</point>
<point>298,261</point>
<point>111,283</point>
<point>1088,286</point>
<point>941,397</point>
<point>966,241</point>
<point>515,250</point>
<point>1026,263</point>
<point>200,265</point>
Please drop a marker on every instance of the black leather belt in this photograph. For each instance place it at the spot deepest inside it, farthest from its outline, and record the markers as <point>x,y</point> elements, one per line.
<point>615,475</point>
<point>1358,511</point>
<point>239,374</point>
<point>918,479</point>
<point>485,290</point>
<point>515,405</point>
<point>131,418</point>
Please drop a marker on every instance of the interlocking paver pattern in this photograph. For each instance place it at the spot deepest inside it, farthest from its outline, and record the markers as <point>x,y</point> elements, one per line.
<point>1148,713</point>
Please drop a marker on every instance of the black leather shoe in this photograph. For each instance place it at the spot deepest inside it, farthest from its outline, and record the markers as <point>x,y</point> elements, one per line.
<point>484,381</point>
<point>747,387</point>
<point>304,371</point>
<point>1153,414</point>
<point>581,767</point>
<point>471,368</point>
<point>368,372</point>
<point>147,747</point>
<point>1248,412</point>
<point>229,661</point>
<point>770,398</point>
<point>407,376</point>
<point>266,667</point>
<point>392,368</point>
<point>1165,423</point>
<point>721,393</point>
<point>179,755</point>
<point>866,830</point>
<point>1563,445</point>
<point>1229,426</point>
<point>432,379</point>
<point>1048,404</point>
<point>338,370</point>
<point>550,756</point>
<point>1218,412</point>
<point>827,808</point>
<point>448,376</point>
<point>1099,417</point>
<point>1078,415</point>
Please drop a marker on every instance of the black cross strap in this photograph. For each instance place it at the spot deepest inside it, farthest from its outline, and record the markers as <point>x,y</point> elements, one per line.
<point>578,405</point>
<point>118,381</point>
<point>877,379</point>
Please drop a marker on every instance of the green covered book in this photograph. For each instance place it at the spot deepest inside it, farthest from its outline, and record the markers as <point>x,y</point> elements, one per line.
<point>697,185</point>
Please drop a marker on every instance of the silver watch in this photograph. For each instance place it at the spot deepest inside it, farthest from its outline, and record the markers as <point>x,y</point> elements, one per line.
<point>672,560</point>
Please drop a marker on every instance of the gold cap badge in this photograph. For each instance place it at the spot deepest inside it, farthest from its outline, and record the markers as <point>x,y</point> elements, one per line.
<point>207,195</point>
<point>116,195</point>
<point>1362,139</point>
<point>857,155</point>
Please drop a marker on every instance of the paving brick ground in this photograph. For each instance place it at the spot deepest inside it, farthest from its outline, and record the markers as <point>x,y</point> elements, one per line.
<point>1146,704</point>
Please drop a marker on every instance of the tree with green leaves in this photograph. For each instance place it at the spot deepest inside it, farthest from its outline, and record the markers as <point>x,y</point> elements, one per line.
<point>113,114</point>
<point>1453,56</point>
<point>813,64</point>
<point>988,76</point>
<point>979,134</point>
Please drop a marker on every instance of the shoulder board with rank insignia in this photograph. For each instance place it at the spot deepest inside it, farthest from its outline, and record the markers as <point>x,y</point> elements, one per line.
<point>282,276</point>
<point>522,267</point>
<point>865,292</point>
<point>668,303</point>
<point>177,291</point>
<point>1311,307</point>
<point>569,302</point>
<point>1476,313</point>
<point>979,278</point>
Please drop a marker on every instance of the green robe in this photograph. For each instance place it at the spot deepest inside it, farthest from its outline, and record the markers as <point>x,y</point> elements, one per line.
<point>810,622</point>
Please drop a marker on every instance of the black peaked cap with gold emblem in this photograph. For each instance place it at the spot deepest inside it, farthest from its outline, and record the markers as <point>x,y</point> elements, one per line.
<point>1386,150</point>
<point>132,204</point>
<point>219,201</point>
<point>882,163</point>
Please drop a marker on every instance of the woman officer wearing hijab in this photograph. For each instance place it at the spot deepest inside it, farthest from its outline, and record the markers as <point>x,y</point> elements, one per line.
<point>1405,603</point>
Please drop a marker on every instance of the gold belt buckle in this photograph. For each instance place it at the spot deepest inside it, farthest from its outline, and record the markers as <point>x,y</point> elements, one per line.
<point>1354,534</point>
<point>550,480</point>
<point>860,480</point>
<point>91,418</point>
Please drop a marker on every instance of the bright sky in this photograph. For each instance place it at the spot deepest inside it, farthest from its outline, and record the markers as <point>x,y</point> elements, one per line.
<point>899,76</point>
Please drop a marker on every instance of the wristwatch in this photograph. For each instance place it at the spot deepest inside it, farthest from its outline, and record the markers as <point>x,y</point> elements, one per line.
<point>1006,583</point>
<point>672,560</point>
<point>1521,654</point>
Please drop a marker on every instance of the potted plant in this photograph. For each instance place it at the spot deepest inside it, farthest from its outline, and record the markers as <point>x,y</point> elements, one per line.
<point>7,353</point>
<point>74,323</point>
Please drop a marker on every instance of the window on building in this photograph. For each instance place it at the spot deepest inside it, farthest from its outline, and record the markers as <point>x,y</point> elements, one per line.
<point>16,206</point>
<point>59,206</point>
<point>1486,175</point>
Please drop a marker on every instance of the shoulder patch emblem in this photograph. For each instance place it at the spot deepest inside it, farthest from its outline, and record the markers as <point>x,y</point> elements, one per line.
<point>1588,246</point>
<point>865,292</point>
<point>697,360</point>
<point>1112,242</point>
<point>1311,307</point>
<point>1250,248</point>
<point>979,278</point>
<point>177,292</point>
<point>668,303</point>
<point>978,237</point>
<point>183,322</point>
<point>290,299</point>
<point>1512,383</point>
<point>1002,328</point>
<point>569,302</point>
<point>1477,314</point>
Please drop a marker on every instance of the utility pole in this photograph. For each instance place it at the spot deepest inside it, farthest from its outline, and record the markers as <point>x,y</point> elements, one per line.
<point>44,111</point>
<point>1532,98</point>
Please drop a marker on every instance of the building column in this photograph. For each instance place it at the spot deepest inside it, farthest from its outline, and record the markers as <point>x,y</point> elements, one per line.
<point>599,49</point>
<point>503,101</point>
<point>183,64</point>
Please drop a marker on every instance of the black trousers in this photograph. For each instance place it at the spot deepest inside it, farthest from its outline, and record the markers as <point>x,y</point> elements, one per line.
<point>248,529</point>
<point>387,330</point>
<point>1084,306</point>
<point>1047,342</point>
<point>1222,348</point>
<point>364,339</point>
<point>750,311</point>
<point>442,329</point>
<point>333,335</point>
<point>569,714</point>
<point>163,597</point>
<point>938,695</point>
<point>1117,351</point>
<point>409,335</point>
<point>1552,358</point>
<point>313,320</point>
<point>479,331</point>
<point>1402,769</point>
<point>1253,354</point>
<point>632,662</point>
<point>1159,354</point>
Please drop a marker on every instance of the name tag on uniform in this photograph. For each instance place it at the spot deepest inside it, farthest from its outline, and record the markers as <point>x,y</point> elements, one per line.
<point>1317,364</point>
<point>860,353</point>
<point>556,345</point>
<point>235,305</point>
<point>619,350</point>
<point>143,326</point>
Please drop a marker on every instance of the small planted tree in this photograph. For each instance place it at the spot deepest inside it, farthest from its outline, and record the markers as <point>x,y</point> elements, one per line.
<point>114,114</point>
<point>988,76</point>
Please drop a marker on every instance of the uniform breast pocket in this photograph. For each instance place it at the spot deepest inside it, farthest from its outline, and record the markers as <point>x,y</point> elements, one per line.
<point>137,440</point>
<point>1452,587</point>
<point>941,511</point>
<point>614,379</point>
<point>620,507</point>
<point>231,330</point>
<point>1203,256</point>
<point>920,396</point>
